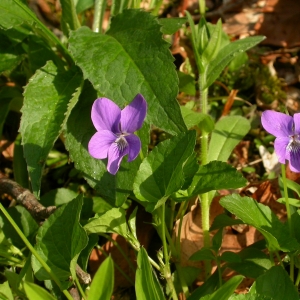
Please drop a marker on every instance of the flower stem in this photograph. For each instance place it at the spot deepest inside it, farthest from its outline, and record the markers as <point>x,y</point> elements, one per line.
<point>83,295</point>
<point>99,10</point>
<point>287,205</point>
<point>167,270</point>
<point>288,211</point>
<point>33,251</point>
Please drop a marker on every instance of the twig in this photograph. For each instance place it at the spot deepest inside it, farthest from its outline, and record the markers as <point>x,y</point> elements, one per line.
<point>83,277</point>
<point>25,198</point>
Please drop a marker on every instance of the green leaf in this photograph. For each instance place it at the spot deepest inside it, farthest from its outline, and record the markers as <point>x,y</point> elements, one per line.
<point>276,284</point>
<point>83,5</point>
<point>263,219</point>
<point>203,254</point>
<point>249,297</point>
<point>226,290</point>
<point>146,283</point>
<point>192,118</point>
<point>294,186</point>
<point>19,164</point>
<point>212,48</point>
<point>292,201</point>
<point>187,84</point>
<point>228,132</point>
<point>222,221</point>
<point>24,221</point>
<point>79,129</point>
<point>227,54</point>
<point>252,263</point>
<point>103,282</point>
<point>5,291</point>
<point>216,175</point>
<point>58,197</point>
<point>171,25</point>
<point>113,220</point>
<point>14,13</point>
<point>230,257</point>
<point>46,99</point>
<point>133,59</point>
<point>69,20</point>
<point>85,254</point>
<point>59,242</point>
<point>161,173</point>
<point>207,287</point>
<point>35,292</point>
<point>10,55</point>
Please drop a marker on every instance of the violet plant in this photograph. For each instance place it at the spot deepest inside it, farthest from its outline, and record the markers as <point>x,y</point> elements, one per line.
<point>79,92</point>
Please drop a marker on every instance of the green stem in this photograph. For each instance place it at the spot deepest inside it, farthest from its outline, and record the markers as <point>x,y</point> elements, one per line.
<point>182,280</point>
<point>100,6</point>
<point>33,251</point>
<point>219,272</point>
<point>279,258</point>
<point>83,295</point>
<point>298,279</point>
<point>287,204</point>
<point>167,270</point>
<point>289,219</point>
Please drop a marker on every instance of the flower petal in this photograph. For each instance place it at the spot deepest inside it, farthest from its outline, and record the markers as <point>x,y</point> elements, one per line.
<point>106,115</point>
<point>297,123</point>
<point>295,160</point>
<point>280,149</point>
<point>100,142</point>
<point>115,157</point>
<point>276,123</point>
<point>134,144</point>
<point>133,115</point>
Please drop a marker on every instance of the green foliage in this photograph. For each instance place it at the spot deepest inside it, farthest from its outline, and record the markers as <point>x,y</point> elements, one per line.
<point>263,219</point>
<point>146,282</point>
<point>276,284</point>
<point>161,173</point>
<point>35,292</point>
<point>61,248</point>
<point>129,60</point>
<point>103,281</point>
<point>54,89</point>
<point>228,132</point>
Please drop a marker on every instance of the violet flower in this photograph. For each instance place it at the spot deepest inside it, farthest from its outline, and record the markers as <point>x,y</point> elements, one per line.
<point>115,127</point>
<point>286,129</point>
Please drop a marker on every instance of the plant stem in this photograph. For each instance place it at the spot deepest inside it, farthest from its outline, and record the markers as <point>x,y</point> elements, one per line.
<point>167,270</point>
<point>99,10</point>
<point>33,251</point>
<point>83,295</point>
<point>298,279</point>
<point>287,205</point>
<point>288,211</point>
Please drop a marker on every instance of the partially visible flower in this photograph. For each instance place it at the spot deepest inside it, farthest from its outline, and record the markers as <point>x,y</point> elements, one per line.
<point>115,127</point>
<point>286,129</point>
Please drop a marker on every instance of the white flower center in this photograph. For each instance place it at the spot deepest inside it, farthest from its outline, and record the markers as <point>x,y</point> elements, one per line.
<point>294,143</point>
<point>121,141</point>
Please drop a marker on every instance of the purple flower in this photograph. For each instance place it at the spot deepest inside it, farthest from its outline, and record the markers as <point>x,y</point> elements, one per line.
<point>115,127</point>
<point>286,129</point>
